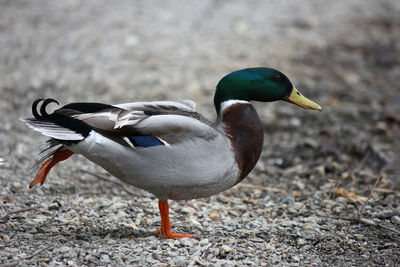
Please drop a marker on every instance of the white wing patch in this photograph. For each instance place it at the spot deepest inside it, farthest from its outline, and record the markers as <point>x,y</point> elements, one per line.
<point>112,119</point>
<point>130,118</point>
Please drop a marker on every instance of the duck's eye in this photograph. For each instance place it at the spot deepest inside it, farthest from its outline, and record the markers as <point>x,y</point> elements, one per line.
<point>278,77</point>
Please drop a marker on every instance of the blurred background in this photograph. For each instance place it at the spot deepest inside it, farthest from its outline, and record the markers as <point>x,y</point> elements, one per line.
<point>343,54</point>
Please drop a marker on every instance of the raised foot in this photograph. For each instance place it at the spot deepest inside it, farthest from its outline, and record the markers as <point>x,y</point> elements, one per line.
<point>48,164</point>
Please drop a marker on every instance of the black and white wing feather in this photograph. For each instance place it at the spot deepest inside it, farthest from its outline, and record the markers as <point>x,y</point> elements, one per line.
<point>170,121</point>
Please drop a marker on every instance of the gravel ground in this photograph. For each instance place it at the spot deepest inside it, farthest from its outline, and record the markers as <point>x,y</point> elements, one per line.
<point>313,198</point>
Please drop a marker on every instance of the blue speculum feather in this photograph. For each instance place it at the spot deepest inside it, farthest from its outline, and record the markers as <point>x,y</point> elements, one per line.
<point>145,141</point>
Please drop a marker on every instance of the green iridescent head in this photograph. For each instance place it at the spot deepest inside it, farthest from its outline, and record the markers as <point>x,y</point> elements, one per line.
<point>259,84</point>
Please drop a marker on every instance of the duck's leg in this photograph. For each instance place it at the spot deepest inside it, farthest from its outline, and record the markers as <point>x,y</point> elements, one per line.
<point>165,223</point>
<point>48,164</point>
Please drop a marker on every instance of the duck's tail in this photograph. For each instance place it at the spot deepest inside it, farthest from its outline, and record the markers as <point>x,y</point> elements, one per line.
<point>57,125</point>
<point>48,124</point>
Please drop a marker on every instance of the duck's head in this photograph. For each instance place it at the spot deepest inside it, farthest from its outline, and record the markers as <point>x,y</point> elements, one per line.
<point>259,84</point>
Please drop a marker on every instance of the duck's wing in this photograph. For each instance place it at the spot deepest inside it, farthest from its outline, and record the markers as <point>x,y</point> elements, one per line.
<point>184,105</point>
<point>169,121</point>
<point>172,122</point>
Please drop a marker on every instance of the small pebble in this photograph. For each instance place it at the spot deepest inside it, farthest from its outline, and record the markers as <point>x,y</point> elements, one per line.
<point>216,252</point>
<point>180,261</point>
<point>342,200</point>
<point>295,258</point>
<point>105,258</point>
<point>396,219</point>
<point>204,241</point>
<point>359,236</point>
<point>320,170</point>
<point>64,249</point>
<point>226,249</point>
<point>185,241</point>
<point>155,255</point>
<point>53,206</point>
<point>288,200</point>
<point>5,237</point>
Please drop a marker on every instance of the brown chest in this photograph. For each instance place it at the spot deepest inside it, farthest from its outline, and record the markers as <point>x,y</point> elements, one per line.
<point>243,127</point>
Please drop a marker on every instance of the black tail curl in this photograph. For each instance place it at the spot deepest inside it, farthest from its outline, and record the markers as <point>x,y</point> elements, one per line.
<point>43,115</point>
<point>60,117</point>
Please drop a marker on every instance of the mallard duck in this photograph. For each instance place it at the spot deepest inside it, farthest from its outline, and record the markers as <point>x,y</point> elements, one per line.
<point>166,147</point>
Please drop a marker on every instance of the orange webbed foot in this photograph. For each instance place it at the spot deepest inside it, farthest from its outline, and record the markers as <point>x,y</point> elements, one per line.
<point>165,229</point>
<point>48,164</point>
<point>171,235</point>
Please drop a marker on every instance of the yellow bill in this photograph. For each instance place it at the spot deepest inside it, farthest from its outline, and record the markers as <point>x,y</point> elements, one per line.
<point>298,99</point>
